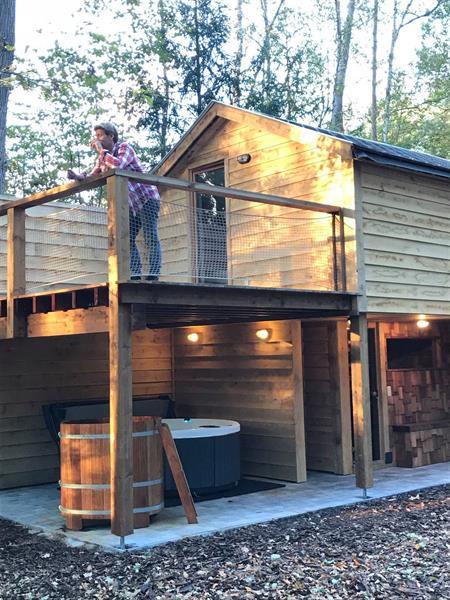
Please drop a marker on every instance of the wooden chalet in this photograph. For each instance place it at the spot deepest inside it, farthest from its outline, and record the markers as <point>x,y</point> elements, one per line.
<point>336,246</point>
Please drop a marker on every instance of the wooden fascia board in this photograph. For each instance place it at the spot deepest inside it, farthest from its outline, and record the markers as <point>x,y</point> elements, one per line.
<point>200,295</point>
<point>191,137</point>
<point>289,131</point>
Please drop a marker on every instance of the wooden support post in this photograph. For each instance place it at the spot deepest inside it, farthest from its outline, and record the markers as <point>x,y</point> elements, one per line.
<point>299,411</point>
<point>361,401</point>
<point>120,361</point>
<point>15,278</point>
<point>178,474</point>
<point>340,387</point>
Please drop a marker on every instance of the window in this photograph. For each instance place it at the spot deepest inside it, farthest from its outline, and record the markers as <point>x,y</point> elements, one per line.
<point>409,353</point>
<point>211,229</point>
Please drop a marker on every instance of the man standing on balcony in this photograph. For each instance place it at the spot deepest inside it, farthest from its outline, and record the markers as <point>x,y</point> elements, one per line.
<point>143,199</point>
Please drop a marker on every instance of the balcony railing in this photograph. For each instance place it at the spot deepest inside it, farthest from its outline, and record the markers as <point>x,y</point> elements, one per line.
<point>258,240</point>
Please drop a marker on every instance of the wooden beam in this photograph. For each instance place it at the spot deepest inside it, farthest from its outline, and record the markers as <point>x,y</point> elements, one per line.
<point>299,410</point>
<point>57,193</point>
<point>120,361</point>
<point>15,271</point>
<point>382,332</point>
<point>197,295</point>
<point>340,386</point>
<point>203,188</point>
<point>361,401</point>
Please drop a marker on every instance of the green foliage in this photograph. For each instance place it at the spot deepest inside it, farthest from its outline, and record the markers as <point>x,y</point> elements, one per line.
<point>164,60</point>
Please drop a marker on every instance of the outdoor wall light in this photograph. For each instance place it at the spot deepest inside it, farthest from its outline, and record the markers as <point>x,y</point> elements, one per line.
<point>422,322</point>
<point>263,334</point>
<point>243,159</point>
<point>193,337</point>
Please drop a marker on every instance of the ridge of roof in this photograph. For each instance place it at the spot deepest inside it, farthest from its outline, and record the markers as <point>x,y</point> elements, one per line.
<point>363,149</point>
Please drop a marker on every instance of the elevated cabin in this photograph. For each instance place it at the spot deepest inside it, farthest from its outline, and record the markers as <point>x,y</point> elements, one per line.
<point>332,244</point>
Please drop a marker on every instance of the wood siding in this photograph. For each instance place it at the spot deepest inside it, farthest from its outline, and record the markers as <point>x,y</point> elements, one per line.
<point>272,245</point>
<point>230,374</point>
<point>45,370</point>
<point>65,245</point>
<point>406,225</point>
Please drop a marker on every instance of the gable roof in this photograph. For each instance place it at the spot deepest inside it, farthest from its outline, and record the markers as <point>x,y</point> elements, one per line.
<point>361,149</point>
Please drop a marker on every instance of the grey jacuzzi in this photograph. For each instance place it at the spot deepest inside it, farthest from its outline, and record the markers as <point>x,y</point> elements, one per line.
<point>209,450</point>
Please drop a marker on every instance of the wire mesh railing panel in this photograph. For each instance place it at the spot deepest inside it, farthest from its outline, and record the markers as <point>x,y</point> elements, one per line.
<point>286,251</point>
<point>66,246</point>
<point>287,248</point>
<point>176,240</point>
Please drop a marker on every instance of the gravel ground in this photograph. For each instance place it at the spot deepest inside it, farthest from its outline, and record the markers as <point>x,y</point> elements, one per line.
<point>392,548</point>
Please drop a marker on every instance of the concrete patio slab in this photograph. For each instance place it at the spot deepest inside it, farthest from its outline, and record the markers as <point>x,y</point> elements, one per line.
<point>37,507</point>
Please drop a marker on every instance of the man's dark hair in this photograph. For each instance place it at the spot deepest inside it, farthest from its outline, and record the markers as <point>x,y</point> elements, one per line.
<point>109,129</point>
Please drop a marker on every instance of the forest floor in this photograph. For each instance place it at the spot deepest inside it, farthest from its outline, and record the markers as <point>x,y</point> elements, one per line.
<point>393,548</point>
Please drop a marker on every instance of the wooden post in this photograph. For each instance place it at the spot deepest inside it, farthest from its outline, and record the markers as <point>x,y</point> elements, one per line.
<point>15,271</point>
<point>361,401</point>
<point>120,360</point>
<point>340,387</point>
<point>342,251</point>
<point>299,411</point>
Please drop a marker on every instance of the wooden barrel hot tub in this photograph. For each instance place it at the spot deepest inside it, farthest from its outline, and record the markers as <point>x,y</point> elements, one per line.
<point>85,471</point>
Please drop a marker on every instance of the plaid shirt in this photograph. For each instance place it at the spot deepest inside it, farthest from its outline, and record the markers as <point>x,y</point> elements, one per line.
<point>124,157</point>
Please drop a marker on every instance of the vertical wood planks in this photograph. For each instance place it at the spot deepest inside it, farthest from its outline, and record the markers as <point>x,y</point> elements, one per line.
<point>120,360</point>
<point>340,387</point>
<point>361,401</point>
<point>15,282</point>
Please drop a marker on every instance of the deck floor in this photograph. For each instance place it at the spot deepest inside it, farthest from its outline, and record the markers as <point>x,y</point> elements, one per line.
<point>37,507</point>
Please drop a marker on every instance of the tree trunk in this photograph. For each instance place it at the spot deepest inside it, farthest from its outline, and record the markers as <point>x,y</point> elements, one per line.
<point>267,50</point>
<point>236,85</point>
<point>374,108</point>
<point>343,40</point>
<point>390,73</point>
<point>165,115</point>
<point>7,41</point>
<point>400,20</point>
<point>198,71</point>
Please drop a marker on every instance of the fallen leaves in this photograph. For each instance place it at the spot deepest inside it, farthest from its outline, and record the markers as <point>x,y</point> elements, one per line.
<point>393,548</point>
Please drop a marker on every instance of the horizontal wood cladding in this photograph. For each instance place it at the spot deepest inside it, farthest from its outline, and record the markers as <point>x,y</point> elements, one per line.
<point>406,223</point>
<point>64,243</point>
<point>230,374</point>
<point>38,371</point>
<point>274,245</point>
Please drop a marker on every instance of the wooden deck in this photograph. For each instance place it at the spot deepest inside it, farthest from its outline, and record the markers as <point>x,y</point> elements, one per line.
<point>156,305</point>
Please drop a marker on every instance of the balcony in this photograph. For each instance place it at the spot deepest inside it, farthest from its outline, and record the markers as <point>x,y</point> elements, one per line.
<point>57,253</point>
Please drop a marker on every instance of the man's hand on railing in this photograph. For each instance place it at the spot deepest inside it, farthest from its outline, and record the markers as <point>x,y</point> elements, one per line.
<point>77,176</point>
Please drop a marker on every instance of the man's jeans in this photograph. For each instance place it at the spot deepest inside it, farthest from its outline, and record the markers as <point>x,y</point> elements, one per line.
<point>146,219</point>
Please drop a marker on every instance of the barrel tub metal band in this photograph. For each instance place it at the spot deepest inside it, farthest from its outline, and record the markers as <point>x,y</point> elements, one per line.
<point>102,436</point>
<point>106,486</point>
<point>97,513</point>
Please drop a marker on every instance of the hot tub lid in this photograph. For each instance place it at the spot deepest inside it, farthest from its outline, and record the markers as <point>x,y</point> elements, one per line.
<point>201,428</point>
